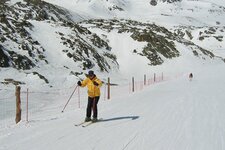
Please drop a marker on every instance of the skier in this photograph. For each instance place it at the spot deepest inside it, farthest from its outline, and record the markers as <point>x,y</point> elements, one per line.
<point>190,76</point>
<point>93,85</point>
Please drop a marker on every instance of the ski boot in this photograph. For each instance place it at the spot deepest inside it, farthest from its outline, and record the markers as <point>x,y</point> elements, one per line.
<point>87,119</point>
<point>94,120</point>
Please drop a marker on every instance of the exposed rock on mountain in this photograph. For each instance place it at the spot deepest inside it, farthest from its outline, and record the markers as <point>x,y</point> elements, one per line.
<point>19,50</point>
<point>155,2</point>
<point>161,43</point>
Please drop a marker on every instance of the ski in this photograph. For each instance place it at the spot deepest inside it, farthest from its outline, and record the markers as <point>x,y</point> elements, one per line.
<point>86,123</point>
<point>90,123</point>
<point>79,124</point>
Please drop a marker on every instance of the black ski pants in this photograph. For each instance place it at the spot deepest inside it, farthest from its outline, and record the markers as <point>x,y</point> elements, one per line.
<point>92,105</point>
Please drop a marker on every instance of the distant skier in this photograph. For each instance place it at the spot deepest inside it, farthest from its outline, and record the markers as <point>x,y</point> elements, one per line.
<point>93,84</point>
<point>190,76</point>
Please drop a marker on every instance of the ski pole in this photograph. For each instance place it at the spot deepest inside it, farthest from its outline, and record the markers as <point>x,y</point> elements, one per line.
<point>69,98</point>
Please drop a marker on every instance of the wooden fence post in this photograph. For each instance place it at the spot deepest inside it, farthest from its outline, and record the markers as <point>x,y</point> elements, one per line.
<point>132,84</point>
<point>27,105</point>
<point>145,79</point>
<point>18,104</point>
<point>154,77</point>
<point>108,96</point>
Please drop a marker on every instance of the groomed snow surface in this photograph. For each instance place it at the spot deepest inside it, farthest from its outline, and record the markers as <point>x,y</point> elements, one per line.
<point>177,114</point>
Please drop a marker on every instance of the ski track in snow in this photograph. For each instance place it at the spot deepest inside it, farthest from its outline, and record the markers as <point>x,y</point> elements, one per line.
<point>173,115</point>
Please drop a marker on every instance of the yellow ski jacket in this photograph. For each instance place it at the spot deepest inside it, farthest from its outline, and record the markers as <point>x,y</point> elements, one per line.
<point>93,90</point>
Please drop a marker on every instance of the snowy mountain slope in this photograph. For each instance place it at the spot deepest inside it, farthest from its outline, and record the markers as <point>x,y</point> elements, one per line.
<point>57,13</point>
<point>160,43</point>
<point>200,22</point>
<point>34,34</point>
<point>211,38</point>
<point>187,15</point>
<point>185,12</point>
<point>94,8</point>
<point>177,114</point>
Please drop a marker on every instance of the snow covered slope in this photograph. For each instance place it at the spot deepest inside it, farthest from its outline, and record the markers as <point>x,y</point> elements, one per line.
<point>178,114</point>
<point>185,12</point>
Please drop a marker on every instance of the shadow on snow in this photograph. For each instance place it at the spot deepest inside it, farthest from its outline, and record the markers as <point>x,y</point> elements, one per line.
<point>120,118</point>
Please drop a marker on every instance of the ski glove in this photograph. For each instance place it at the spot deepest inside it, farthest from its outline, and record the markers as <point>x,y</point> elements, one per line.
<point>95,83</point>
<point>79,83</point>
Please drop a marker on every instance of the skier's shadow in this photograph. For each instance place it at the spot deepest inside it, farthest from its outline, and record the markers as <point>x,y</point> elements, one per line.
<point>120,118</point>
